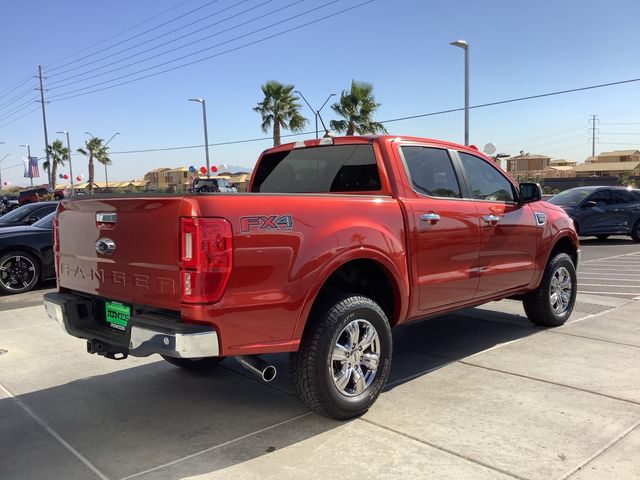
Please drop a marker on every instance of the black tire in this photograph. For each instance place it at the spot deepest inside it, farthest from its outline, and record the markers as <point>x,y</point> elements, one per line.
<point>312,367</point>
<point>602,237</point>
<point>538,304</point>
<point>20,272</point>
<point>635,233</point>
<point>195,364</point>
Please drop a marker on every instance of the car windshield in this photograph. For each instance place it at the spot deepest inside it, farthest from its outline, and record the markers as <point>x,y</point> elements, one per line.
<point>45,222</point>
<point>17,214</point>
<point>570,198</point>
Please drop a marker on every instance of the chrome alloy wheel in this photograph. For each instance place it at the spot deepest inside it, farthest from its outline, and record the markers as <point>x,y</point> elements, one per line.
<point>17,272</point>
<point>560,291</point>
<point>355,358</point>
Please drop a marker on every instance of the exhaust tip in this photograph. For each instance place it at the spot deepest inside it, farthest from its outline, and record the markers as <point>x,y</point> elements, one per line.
<point>269,373</point>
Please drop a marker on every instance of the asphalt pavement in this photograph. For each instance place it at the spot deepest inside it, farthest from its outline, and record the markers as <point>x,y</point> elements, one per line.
<point>478,394</point>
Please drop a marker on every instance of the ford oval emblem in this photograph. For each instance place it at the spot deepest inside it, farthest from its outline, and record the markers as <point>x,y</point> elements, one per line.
<point>105,246</point>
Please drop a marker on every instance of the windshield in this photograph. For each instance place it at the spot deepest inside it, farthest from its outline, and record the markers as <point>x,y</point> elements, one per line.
<point>570,198</point>
<point>18,214</point>
<point>45,222</point>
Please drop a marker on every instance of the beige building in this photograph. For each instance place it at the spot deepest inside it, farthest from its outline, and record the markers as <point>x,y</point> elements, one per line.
<point>616,156</point>
<point>607,169</point>
<point>156,180</point>
<point>527,162</point>
<point>177,179</point>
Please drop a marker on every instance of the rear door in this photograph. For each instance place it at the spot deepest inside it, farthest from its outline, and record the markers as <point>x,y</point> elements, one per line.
<point>508,231</point>
<point>443,229</point>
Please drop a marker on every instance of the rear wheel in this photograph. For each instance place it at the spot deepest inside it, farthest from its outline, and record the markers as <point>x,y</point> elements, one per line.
<point>344,357</point>
<point>551,304</point>
<point>602,237</point>
<point>19,272</point>
<point>635,233</point>
<point>195,364</point>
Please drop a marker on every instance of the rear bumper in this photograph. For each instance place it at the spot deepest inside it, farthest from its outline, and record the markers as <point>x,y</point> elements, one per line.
<point>147,333</point>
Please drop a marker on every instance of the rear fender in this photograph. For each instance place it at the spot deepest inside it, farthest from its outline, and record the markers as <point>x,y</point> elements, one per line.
<point>398,279</point>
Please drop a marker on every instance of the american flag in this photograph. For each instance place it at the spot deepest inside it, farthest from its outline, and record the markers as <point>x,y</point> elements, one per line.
<point>31,167</point>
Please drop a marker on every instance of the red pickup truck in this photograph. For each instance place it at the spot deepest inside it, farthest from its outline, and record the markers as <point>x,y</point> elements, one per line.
<point>337,241</point>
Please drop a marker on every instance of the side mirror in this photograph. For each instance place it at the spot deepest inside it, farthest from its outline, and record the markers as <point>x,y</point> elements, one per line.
<point>530,192</point>
<point>589,204</point>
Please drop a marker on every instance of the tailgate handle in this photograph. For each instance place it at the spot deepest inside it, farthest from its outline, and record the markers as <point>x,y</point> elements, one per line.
<point>106,217</point>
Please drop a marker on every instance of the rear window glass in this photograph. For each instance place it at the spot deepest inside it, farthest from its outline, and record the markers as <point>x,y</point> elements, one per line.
<point>335,168</point>
<point>431,171</point>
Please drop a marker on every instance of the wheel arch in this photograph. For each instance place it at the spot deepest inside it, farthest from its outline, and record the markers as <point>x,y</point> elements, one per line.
<point>565,244</point>
<point>367,272</point>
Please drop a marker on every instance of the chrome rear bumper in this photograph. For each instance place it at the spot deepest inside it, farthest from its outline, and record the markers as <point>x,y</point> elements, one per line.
<point>147,334</point>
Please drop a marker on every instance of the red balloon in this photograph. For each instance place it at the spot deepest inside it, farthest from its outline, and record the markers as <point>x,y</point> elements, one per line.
<point>203,169</point>
<point>214,169</point>
<point>78,179</point>
<point>65,176</point>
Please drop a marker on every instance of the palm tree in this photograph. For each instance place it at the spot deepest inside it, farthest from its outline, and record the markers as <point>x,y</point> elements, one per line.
<point>280,110</point>
<point>357,107</point>
<point>58,154</point>
<point>94,150</point>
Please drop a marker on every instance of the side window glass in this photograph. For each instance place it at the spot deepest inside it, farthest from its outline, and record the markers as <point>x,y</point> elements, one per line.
<point>601,197</point>
<point>431,171</point>
<point>620,197</point>
<point>487,183</point>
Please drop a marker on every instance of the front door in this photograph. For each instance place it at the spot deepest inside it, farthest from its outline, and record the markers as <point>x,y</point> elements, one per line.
<point>443,230</point>
<point>508,231</point>
<point>598,218</point>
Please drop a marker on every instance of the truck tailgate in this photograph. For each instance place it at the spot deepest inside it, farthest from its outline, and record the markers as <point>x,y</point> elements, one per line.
<point>142,268</point>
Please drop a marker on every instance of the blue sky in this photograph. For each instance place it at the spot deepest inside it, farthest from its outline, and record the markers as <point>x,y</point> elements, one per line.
<point>517,49</point>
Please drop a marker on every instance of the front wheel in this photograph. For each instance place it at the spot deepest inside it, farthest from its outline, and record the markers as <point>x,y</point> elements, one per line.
<point>551,304</point>
<point>19,272</point>
<point>344,357</point>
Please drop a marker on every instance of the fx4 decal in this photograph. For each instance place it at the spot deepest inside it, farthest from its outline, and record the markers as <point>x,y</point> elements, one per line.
<point>262,223</point>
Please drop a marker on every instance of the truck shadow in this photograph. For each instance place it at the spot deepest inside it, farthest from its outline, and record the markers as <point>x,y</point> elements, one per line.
<point>137,421</point>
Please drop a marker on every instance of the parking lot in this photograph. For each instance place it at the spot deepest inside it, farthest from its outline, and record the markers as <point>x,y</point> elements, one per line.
<point>478,394</point>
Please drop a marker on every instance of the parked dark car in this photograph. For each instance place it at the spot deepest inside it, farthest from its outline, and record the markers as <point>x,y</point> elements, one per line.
<point>36,194</point>
<point>26,256</point>
<point>602,211</point>
<point>201,185</point>
<point>27,214</point>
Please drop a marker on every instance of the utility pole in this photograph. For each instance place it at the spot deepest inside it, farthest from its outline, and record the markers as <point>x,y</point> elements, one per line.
<point>593,120</point>
<point>44,123</point>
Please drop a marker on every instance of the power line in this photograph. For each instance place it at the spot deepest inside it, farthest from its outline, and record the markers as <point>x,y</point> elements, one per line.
<point>621,123</point>
<point>138,35</point>
<point>17,109</point>
<point>16,98</point>
<point>21,116</point>
<point>117,34</point>
<point>65,96</point>
<point>554,133</point>
<point>441,112</point>
<point>16,87</point>
<point>122,67</point>
<point>155,38</point>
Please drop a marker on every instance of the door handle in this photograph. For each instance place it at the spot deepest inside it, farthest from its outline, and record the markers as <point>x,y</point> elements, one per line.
<point>431,218</point>
<point>492,220</point>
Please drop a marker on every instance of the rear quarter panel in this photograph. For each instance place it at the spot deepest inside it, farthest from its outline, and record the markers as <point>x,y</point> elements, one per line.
<point>277,271</point>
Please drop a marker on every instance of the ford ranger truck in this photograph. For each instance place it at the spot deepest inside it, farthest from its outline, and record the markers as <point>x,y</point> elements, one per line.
<point>337,241</point>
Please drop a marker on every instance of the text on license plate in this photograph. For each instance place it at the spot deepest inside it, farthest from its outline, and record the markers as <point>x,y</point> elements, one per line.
<point>117,315</point>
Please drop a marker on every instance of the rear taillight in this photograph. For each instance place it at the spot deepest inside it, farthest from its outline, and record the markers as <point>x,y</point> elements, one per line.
<point>56,235</point>
<point>206,258</point>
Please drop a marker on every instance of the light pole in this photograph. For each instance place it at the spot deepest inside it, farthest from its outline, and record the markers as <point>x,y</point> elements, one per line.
<point>106,179</point>
<point>28,161</point>
<point>1,160</point>
<point>316,113</point>
<point>465,46</point>
<point>202,102</point>
<point>70,167</point>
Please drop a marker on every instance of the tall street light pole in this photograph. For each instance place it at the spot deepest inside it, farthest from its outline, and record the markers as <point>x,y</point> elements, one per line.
<point>106,179</point>
<point>29,161</point>
<point>64,132</point>
<point>1,160</point>
<point>202,102</point>
<point>316,113</point>
<point>465,46</point>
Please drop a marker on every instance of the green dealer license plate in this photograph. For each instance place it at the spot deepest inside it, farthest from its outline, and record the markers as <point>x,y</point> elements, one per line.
<point>117,315</point>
